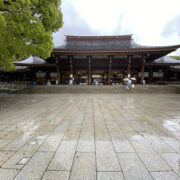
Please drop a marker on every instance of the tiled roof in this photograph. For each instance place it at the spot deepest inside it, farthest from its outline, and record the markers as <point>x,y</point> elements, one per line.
<point>105,43</point>
<point>166,59</point>
<point>31,60</point>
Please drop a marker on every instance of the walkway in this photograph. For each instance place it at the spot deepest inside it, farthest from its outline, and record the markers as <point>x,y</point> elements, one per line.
<point>89,136</point>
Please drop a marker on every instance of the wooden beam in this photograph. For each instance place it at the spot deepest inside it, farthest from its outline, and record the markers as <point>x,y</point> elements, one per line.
<point>161,64</point>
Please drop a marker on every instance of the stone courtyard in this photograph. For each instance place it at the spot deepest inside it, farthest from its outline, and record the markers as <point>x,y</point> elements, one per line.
<point>89,136</point>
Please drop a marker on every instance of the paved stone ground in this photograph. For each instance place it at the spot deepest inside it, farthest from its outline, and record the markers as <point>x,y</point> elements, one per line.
<point>89,136</point>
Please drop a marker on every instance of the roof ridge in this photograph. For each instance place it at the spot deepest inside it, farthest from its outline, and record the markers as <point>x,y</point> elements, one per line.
<point>100,37</point>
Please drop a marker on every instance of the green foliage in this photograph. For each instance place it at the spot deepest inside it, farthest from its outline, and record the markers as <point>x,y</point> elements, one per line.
<point>26,28</point>
<point>175,57</point>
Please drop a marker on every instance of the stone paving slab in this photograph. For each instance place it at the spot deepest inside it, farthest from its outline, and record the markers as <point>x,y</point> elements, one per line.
<point>36,167</point>
<point>83,167</point>
<point>56,175</point>
<point>18,160</point>
<point>173,159</point>
<point>17,143</point>
<point>173,143</point>
<point>64,156</point>
<point>33,145</point>
<point>106,157</point>
<point>5,155</point>
<point>86,146</point>
<point>8,174</point>
<point>148,156</point>
<point>164,175</point>
<point>157,144</point>
<point>89,136</point>
<point>132,167</point>
<point>110,176</point>
<point>51,143</point>
<point>4,142</point>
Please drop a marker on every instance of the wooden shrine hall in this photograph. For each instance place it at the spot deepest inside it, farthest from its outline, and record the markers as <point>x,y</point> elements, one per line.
<point>103,60</point>
<point>109,58</point>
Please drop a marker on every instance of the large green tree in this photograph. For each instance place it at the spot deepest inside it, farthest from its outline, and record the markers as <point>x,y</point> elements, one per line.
<point>26,27</point>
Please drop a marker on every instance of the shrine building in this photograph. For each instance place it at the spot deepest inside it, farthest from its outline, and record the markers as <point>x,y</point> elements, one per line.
<point>103,60</point>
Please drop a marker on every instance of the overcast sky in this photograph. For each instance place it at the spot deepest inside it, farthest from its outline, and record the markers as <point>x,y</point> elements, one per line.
<point>152,22</point>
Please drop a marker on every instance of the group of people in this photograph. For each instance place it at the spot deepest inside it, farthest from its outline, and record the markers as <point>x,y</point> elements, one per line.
<point>129,84</point>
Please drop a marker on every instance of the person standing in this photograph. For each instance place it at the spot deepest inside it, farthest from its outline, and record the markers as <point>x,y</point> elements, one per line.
<point>132,86</point>
<point>129,83</point>
<point>125,85</point>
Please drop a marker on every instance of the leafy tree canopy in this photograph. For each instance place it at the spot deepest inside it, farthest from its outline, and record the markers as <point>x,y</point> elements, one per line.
<point>26,28</point>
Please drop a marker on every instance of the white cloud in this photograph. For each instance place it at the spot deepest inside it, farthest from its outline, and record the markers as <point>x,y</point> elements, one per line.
<point>146,19</point>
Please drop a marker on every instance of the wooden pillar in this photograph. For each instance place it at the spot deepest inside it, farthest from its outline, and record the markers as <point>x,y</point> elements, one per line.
<point>47,75</point>
<point>57,69</point>
<point>33,74</point>
<point>164,74</point>
<point>151,75</point>
<point>71,71</point>
<point>71,65</point>
<point>142,70</point>
<point>89,71</point>
<point>58,72</point>
<point>110,70</point>
<point>129,65</point>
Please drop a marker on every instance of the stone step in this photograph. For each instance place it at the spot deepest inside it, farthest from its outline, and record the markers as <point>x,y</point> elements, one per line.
<point>86,89</point>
